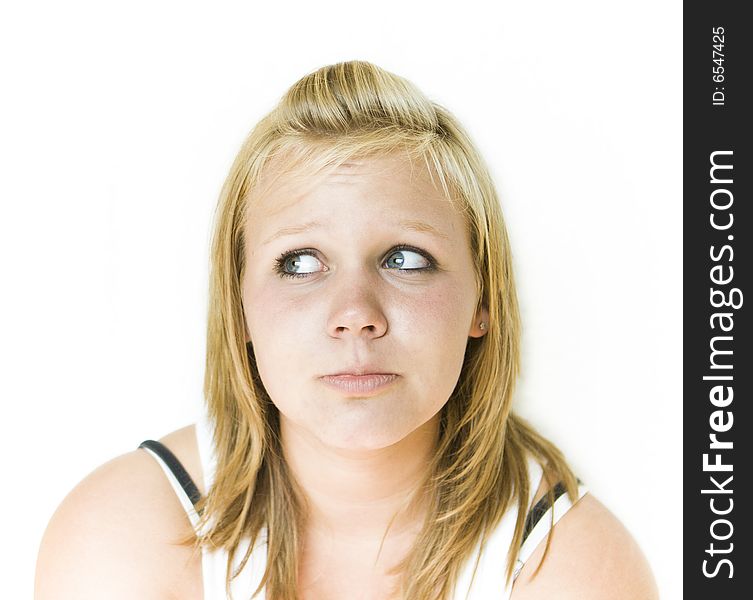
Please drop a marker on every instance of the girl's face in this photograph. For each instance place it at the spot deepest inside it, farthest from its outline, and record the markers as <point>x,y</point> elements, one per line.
<point>368,270</point>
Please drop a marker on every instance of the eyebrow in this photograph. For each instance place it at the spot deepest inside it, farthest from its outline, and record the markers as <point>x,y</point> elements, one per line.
<point>409,225</point>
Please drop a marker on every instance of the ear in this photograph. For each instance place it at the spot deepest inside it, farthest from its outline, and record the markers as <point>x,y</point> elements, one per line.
<point>481,316</point>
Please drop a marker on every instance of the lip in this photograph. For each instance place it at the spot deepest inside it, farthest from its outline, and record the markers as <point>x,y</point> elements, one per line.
<point>361,384</point>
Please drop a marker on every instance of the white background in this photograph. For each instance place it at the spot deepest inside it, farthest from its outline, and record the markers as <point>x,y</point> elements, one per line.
<point>119,122</point>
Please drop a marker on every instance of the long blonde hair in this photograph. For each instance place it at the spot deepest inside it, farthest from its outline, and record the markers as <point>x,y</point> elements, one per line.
<point>342,111</point>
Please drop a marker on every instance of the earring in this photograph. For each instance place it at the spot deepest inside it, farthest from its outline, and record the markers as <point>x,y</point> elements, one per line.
<point>482,325</point>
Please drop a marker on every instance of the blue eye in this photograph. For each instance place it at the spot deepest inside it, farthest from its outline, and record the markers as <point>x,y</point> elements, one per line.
<point>296,260</point>
<point>401,258</point>
<point>405,257</point>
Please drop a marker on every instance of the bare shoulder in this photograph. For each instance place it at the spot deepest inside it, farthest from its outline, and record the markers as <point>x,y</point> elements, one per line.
<point>116,534</point>
<point>592,556</point>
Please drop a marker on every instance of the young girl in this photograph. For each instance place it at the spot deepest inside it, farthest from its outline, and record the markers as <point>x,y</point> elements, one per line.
<point>362,352</point>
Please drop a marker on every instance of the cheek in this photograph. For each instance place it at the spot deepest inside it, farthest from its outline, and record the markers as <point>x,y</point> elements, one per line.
<point>435,336</point>
<point>270,315</point>
<point>276,327</point>
<point>440,319</point>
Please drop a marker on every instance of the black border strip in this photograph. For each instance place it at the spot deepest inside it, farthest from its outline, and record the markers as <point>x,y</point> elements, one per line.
<point>717,269</point>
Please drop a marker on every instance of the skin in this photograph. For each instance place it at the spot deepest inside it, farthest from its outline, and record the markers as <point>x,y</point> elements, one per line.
<point>359,458</point>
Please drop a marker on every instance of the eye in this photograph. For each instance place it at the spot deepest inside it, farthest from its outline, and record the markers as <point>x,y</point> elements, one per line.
<point>287,263</point>
<point>406,258</point>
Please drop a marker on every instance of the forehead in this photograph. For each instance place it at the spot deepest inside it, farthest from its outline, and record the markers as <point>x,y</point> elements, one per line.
<point>390,183</point>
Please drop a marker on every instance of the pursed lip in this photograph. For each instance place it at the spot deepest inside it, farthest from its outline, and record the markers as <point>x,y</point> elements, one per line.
<point>359,383</point>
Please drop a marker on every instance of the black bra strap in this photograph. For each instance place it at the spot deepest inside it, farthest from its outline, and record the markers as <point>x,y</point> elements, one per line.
<point>177,469</point>
<point>539,510</point>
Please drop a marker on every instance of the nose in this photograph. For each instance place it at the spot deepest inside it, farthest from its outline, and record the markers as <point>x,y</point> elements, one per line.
<point>357,311</point>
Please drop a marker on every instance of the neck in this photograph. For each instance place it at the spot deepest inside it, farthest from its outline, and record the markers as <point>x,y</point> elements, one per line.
<point>354,495</point>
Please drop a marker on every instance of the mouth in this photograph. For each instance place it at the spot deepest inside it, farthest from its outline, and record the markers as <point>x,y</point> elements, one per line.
<point>367,383</point>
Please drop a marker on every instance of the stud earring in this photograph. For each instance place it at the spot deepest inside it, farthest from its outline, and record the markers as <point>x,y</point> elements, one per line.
<point>482,325</point>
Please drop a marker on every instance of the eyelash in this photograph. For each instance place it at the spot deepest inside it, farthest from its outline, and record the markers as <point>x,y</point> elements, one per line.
<point>280,261</point>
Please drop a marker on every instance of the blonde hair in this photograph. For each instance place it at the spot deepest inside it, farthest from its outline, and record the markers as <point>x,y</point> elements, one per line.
<point>340,112</point>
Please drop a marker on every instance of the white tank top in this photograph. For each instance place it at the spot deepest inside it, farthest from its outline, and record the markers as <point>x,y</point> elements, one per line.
<point>488,582</point>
